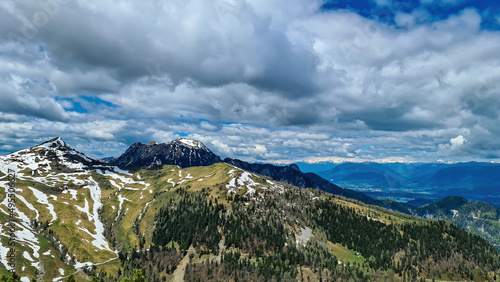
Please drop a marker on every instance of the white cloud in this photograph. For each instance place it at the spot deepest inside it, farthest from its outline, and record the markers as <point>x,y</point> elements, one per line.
<point>207,126</point>
<point>7,147</point>
<point>454,147</point>
<point>221,148</point>
<point>99,134</point>
<point>260,150</point>
<point>159,136</point>
<point>457,142</point>
<point>245,76</point>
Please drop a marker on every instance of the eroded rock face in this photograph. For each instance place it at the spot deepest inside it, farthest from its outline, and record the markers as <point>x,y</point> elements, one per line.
<point>182,152</point>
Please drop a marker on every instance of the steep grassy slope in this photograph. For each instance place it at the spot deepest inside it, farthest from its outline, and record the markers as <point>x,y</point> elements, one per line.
<point>56,213</point>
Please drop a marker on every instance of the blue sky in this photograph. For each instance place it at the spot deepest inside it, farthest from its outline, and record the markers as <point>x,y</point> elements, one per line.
<point>273,81</point>
<point>440,9</point>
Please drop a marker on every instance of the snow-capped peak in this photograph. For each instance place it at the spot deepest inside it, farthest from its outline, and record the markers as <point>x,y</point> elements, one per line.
<point>190,143</point>
<point>52,143</point>
<point>42,157</point>
<point>183,152</point>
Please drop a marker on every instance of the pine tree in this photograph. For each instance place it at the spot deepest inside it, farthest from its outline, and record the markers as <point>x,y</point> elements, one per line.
<point>138,277</point>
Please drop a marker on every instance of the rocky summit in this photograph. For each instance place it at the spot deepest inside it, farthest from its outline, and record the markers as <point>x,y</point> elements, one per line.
<point>182,152</point>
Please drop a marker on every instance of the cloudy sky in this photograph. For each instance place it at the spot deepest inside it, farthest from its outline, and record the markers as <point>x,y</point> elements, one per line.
<point>281,80</point>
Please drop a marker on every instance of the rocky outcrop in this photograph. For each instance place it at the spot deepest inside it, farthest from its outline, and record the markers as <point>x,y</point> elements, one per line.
<point>182,152</point>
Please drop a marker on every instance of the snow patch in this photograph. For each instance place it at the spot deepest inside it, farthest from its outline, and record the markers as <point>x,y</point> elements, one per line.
<point>121,199</point>
<point>245,179</point>
<point>44,200</point>
<point>171,182</point>
<point>73,193</point>
<point>30,206</point>
<point>99,239</point>
<point>27,256</point>
<point>114,184</point>
<point>190,143</point>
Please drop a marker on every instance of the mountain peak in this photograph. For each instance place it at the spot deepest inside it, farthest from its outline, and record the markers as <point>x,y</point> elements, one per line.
<point>190,143</point>
<point>52,153</point>
<point>53,143</point>
<point>183,152</point>
<point>294,166</point>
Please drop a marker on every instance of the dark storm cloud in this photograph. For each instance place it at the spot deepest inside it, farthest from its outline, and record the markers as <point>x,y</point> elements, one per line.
<point>187,41</point>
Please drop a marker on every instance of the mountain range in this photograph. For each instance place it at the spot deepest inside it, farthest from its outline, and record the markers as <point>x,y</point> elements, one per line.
<point>175,211</point>
<point>419,183</point>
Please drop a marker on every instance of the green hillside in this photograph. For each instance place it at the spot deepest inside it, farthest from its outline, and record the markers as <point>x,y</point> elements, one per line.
<point>478,218</point>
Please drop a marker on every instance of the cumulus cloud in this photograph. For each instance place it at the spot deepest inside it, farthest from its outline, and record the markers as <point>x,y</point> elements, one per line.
<point>456,144</point>
<point>103,129</point>
<point>221,148</point>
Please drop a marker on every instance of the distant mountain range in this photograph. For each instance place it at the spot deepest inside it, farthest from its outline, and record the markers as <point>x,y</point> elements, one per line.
<point>419,183</point>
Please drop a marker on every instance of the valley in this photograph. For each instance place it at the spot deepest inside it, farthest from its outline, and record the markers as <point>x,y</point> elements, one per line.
<point>416,183</point>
